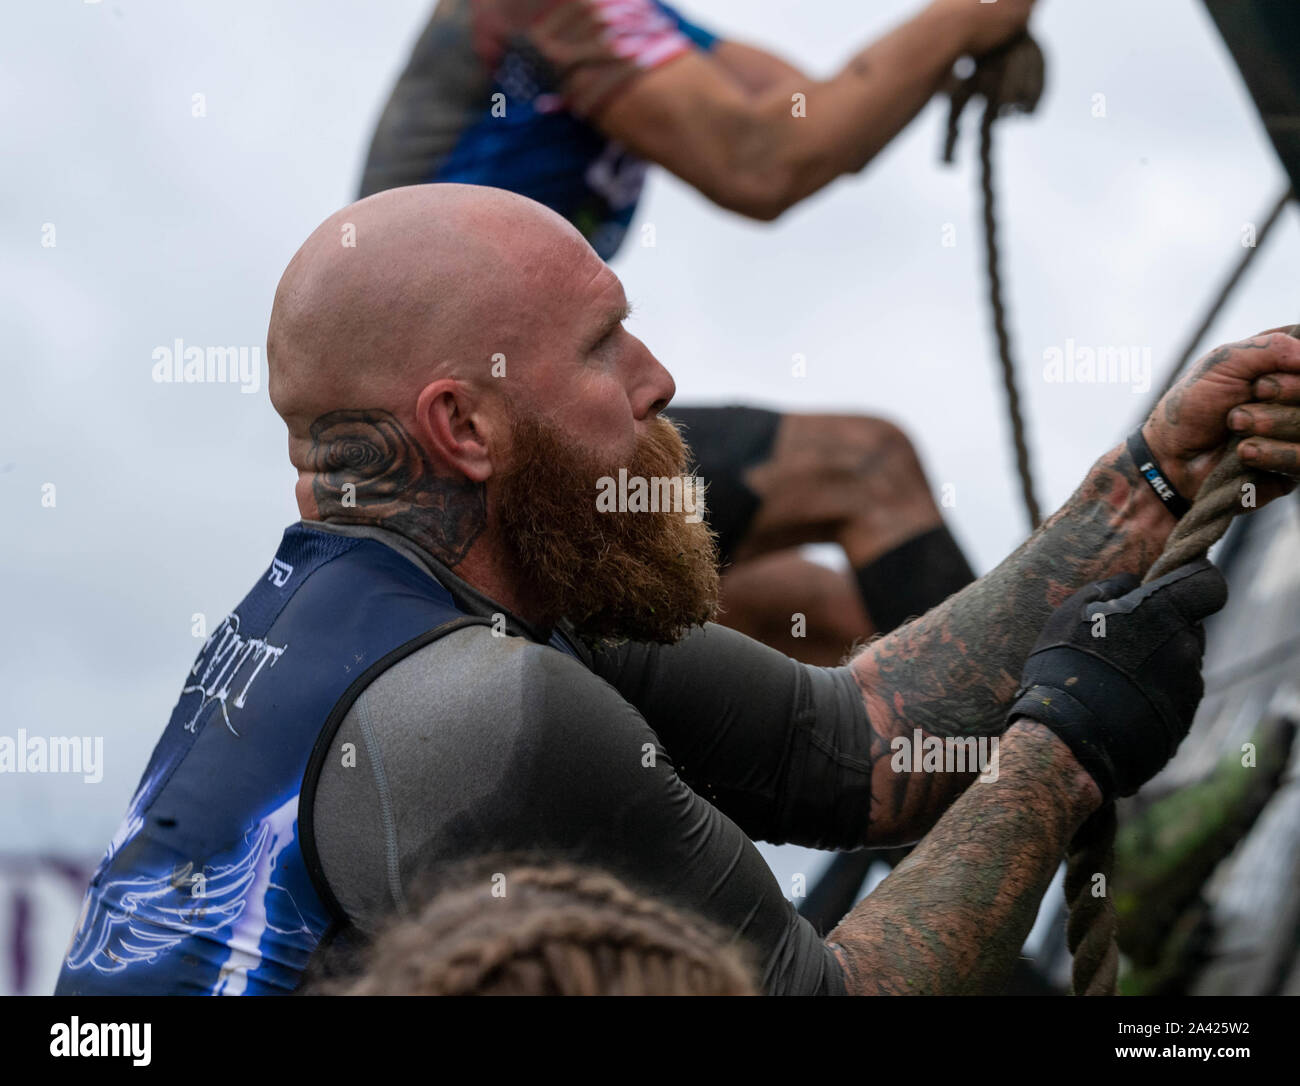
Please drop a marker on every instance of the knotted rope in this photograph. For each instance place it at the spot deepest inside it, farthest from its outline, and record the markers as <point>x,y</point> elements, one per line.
<point>1010,80</point>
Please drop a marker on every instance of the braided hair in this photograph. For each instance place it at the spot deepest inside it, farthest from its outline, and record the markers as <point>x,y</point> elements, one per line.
<point>550,930</point>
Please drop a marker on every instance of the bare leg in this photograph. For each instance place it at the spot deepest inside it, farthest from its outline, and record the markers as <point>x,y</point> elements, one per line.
<point>845,479</point>
<point>806,610</point>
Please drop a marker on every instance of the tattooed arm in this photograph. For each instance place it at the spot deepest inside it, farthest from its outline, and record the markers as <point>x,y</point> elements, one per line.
<point>952,916</point>
<point>953,671</point>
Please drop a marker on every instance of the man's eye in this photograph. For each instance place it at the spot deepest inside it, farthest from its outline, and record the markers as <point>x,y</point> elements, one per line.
<point>606,339</point>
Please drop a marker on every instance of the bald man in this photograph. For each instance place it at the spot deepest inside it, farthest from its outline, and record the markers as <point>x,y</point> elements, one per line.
<point>465,647</point>
<point>568,102</point>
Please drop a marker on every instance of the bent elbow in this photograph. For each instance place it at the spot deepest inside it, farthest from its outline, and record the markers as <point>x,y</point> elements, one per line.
<point>764,184</point>
<point>763,196</point>
<point>757,167</point>
<point>771,207</point>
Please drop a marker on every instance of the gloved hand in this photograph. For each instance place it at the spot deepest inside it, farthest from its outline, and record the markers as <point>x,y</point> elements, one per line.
<point>1116,672</point>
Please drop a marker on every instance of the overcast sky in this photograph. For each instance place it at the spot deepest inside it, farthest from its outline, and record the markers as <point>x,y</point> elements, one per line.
<point>170,499</point>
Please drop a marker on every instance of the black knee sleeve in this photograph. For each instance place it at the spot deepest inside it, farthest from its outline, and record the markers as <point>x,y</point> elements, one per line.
<point>912,578</point>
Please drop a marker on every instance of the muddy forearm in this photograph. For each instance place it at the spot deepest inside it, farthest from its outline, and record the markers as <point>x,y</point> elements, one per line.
<point>952,917</point>
<point>954,670</point>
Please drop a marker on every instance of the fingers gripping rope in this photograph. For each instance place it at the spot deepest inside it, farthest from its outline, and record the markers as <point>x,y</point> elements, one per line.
<point>1090,865</point>
<point>1011,79</point>
<point>1090,930</point>
<point>1217,502</point>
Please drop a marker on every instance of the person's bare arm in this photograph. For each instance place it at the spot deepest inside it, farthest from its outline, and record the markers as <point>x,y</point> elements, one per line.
<point>753,152</point>
<point>954,670</point>
<point>756,70</point>
<point>951,917</point>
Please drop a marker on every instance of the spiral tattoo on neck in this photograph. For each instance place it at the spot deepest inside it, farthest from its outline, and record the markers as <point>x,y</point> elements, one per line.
<point>368,470</point>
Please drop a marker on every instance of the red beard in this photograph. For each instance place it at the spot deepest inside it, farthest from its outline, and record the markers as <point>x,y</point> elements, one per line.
<point>644,576</point>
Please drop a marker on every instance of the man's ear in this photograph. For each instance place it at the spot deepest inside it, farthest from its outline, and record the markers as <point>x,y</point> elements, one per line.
<point>453,425</point>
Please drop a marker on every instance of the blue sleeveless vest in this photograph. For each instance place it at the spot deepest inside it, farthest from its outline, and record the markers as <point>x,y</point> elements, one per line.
<point>212,884</point>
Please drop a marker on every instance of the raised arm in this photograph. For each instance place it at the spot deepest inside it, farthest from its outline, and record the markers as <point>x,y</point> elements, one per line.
<point>953,671</point>
<point>726,121</point>
<point>953,917</point>
<point>755,69</point>
<point>1106,697</point>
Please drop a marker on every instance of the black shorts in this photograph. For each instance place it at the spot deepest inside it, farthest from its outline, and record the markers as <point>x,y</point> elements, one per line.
<point>725,442</point>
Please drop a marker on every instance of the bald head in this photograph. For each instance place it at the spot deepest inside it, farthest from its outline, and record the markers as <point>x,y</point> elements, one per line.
<point>409,285</point>
<point>417,335</point>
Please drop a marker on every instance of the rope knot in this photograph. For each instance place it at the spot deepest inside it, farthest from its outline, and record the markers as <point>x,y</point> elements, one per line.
<point>1010,79</point>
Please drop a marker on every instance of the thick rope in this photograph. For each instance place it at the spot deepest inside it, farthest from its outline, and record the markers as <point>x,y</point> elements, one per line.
<point>1090,865</point>
<point>1217,502</point>
<point>1092,924</point>
<point>1012,79</point>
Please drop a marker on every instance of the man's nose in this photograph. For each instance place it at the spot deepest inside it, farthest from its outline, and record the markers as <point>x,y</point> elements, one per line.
<point>651,386</point>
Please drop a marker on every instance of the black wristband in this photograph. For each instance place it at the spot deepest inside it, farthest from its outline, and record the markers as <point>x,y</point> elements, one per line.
<point>1145,461</point>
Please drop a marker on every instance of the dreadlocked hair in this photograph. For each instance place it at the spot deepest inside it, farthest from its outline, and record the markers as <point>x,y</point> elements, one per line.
<point>549,930</point>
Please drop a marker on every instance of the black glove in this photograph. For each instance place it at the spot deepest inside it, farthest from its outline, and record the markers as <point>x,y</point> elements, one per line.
<point>1116,672</point>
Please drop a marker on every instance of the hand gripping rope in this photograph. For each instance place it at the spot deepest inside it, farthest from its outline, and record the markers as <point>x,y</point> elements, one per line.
<point>1090,930</point>
<point>1010,79</point>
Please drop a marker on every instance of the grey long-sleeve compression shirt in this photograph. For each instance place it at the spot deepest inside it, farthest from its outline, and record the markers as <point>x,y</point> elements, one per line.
<point>660,764</point>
